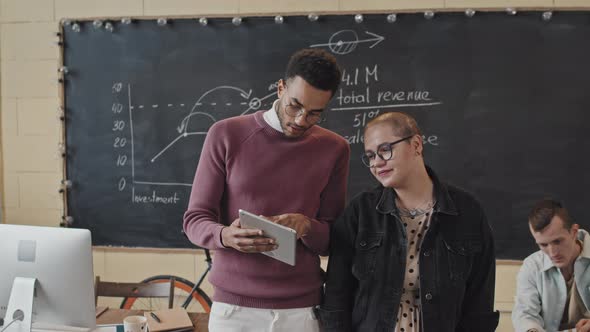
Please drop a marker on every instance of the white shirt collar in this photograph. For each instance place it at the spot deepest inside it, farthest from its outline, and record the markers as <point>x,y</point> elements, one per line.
<point>584,237</point>
<point>272,118</point>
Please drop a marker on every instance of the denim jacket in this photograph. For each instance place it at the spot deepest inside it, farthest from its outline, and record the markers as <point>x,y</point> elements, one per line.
<point>368,262</point>
<point>541,290</point>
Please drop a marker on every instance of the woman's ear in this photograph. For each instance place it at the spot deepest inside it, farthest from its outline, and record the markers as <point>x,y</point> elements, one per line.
<point>417,144</point>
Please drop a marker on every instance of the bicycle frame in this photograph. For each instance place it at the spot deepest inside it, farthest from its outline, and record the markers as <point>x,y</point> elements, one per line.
<point>201,278</point>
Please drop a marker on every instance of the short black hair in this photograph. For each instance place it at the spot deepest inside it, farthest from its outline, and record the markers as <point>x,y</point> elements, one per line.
<point>317,67</point>
<point>544,211</point>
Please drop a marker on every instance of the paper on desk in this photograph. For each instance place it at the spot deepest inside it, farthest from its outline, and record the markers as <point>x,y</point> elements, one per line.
<point>170,320</point>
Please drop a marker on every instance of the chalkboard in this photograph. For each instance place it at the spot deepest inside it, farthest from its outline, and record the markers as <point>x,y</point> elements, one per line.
<point>502,100</point>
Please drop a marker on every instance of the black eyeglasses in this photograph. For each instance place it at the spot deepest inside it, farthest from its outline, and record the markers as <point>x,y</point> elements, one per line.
<point>294,111</point>
<point>384,151</point>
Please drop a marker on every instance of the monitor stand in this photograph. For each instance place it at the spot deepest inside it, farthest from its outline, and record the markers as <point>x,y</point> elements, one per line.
<point>20,305</point>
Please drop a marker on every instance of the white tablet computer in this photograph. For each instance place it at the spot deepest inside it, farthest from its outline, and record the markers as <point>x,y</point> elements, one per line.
<point>285,237</point>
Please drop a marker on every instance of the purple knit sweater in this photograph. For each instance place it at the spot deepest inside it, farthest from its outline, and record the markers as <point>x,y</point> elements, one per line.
<point>246,164</point>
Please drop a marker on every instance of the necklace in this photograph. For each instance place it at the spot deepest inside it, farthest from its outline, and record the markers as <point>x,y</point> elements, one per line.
<point>420,210</point>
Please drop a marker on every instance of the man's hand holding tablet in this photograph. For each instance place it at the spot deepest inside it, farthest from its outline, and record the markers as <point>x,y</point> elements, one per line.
<point>246,240</point>
<point>283,236</point>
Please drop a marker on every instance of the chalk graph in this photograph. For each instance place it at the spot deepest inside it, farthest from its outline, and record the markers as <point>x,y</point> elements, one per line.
<point>227,100</point>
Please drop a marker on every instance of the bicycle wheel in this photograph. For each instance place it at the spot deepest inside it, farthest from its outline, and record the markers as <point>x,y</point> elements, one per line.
<point>200,302</point>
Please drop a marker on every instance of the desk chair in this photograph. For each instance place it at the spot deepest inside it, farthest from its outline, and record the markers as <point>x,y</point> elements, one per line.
<point>126,289</point>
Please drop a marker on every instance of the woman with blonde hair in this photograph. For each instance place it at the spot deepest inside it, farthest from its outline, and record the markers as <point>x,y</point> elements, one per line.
<point>415,254</point>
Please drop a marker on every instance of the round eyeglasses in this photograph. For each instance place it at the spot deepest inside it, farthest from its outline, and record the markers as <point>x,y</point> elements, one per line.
<point>312,117</point>
<point>384,151</point>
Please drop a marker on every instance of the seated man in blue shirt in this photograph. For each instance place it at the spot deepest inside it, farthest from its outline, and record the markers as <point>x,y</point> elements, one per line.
<point>553,287</point>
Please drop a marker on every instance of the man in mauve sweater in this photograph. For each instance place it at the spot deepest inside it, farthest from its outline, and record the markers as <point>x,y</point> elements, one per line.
<point>278,164</point>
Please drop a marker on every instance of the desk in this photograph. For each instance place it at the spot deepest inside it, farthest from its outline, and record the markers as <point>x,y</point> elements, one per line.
<point>116,316</point>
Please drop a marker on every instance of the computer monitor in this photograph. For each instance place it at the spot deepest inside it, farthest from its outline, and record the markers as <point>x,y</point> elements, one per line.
<point>60,260</point>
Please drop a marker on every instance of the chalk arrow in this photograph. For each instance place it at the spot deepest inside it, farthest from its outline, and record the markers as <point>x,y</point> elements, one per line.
<point>377,39</point>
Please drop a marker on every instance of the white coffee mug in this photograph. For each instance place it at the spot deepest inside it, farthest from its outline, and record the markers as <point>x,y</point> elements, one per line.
<point>135,324</point>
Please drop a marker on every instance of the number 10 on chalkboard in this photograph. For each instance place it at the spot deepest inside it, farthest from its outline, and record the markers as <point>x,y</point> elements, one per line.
<point>361,119</point>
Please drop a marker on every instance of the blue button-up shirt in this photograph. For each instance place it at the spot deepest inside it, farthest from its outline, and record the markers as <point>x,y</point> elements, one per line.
<point>541,290</point>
